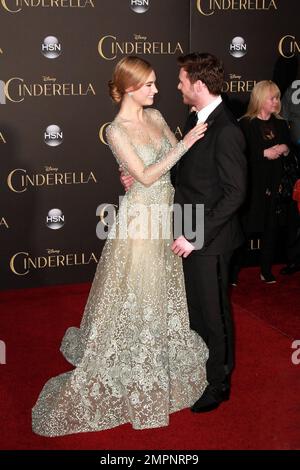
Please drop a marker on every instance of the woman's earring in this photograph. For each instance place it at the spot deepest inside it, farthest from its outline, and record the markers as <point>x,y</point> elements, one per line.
<point>129,93</point>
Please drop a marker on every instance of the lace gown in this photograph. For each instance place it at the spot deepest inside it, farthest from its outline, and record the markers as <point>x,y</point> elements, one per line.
<point>136,358</point>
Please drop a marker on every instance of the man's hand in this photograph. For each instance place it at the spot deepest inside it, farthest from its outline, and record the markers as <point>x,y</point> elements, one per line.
<point>182,247</point>
<point>126,180</point>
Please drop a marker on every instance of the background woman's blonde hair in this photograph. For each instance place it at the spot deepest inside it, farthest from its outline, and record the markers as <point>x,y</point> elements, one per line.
<point>258,95</point>
<point>130,72</point>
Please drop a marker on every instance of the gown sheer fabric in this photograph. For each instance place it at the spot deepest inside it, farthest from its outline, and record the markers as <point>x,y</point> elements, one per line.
<point>136,358</point>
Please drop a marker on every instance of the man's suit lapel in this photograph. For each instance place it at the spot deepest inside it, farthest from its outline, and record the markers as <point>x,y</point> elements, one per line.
<point>211,121</point>
<point>193,118</point>
<point>214,115</point>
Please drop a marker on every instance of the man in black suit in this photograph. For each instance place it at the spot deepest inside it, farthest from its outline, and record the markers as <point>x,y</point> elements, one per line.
<point>213,173</point>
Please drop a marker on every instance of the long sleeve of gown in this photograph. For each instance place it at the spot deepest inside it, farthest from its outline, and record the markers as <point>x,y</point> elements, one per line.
<point>127,157</point>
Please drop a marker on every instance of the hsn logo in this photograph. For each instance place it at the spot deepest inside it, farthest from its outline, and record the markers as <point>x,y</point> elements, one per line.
<point>140,6</point>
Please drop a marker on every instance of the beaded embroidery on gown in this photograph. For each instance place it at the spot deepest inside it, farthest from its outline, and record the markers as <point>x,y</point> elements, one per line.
<point>136,359</point>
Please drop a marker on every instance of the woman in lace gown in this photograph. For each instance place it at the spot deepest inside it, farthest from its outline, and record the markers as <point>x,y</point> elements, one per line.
<point>136,359</point>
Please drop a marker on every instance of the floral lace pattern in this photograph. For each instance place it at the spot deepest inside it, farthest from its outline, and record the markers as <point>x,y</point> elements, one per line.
<point>136,359</point>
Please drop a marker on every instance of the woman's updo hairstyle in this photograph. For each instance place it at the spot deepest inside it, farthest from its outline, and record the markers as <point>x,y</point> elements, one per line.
<point>131,72</point>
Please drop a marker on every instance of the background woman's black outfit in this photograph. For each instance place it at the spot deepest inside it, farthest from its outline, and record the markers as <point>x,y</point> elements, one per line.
<point>262,210</point>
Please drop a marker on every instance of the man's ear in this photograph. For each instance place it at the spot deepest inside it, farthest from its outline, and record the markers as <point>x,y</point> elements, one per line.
<point>199,86</point>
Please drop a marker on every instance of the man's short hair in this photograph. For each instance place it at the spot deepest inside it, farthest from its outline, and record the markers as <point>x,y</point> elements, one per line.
<point>205,67</point>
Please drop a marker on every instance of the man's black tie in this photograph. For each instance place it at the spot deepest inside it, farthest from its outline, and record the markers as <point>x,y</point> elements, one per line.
<point>191,122</point>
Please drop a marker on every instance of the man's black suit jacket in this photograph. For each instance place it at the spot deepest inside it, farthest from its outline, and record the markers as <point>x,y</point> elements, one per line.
<point>213,173</point>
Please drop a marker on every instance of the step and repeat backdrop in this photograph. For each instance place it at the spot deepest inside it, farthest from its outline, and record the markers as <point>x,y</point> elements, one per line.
<point>57,174</point>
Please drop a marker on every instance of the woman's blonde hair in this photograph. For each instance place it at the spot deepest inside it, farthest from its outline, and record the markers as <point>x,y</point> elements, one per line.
<point>258,96</point>
<point>130,72</point>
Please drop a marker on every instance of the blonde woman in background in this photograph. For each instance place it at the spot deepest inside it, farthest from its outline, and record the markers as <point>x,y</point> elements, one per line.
<point>268,142</point>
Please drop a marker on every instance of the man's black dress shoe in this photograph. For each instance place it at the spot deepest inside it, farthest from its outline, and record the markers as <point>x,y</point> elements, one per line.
<point>290,268</point>
<point>233,281</point>
<point>211,398</point>
<point>268,277</point>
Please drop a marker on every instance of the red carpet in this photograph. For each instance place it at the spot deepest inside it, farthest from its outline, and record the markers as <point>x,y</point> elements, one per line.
<point>277,304</point>
<point>262,413</point>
